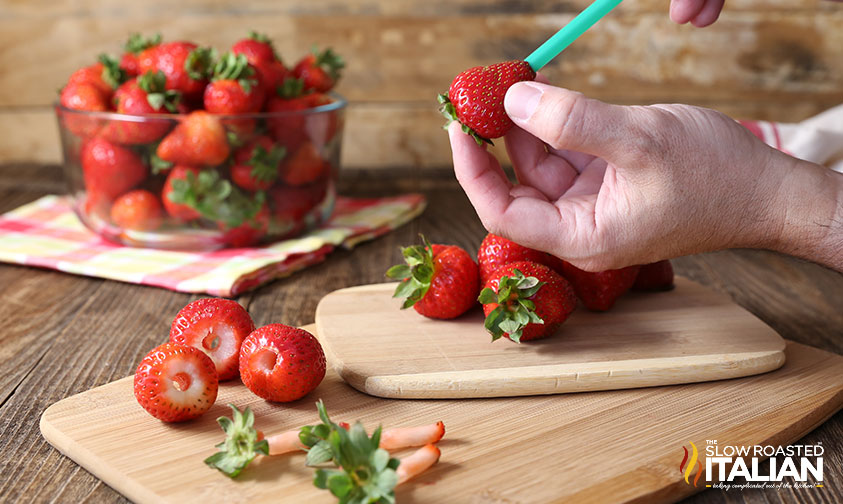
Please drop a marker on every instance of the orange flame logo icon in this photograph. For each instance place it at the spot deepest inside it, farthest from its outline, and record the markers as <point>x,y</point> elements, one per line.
<point>689,468</point>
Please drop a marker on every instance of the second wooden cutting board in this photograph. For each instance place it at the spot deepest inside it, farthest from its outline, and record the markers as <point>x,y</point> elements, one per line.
<point>689,334</point>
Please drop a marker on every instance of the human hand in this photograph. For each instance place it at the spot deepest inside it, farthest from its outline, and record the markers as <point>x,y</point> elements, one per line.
<point>700,13</point>
<point>606,186</point>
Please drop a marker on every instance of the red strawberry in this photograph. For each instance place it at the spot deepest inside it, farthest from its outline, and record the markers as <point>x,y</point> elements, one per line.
<point>199,139</point>
<point>85,97</point>
<point>319,71</point>
<point>291,207</point>
<point>287,125</point>
<point>179,211</point>
<point>138,210</point>
<point>110,170</point>
<point>303,167</point>
<point>256,165</point>
<point>217,327</point>
<point>655,276</point>
<point>525,301</point>
<point>281,363</point>
<point>496,251</point>
<point>234,88</point>
<point>105,75</point>
<point>136,44</point>
<point>176,382</point>
<point>249,232</point>
<point>599,291</point>
<point>260,53</point>
<point>143,95</point>
<point>184,64</point>
<point>475,98</point>
<point>439,281</point>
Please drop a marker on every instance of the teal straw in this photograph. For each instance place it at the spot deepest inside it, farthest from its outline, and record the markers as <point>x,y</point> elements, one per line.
<point>570,32</point>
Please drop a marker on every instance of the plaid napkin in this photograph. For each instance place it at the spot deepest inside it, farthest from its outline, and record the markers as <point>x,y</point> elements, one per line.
<point>818,139</point>
<point>47,233</point>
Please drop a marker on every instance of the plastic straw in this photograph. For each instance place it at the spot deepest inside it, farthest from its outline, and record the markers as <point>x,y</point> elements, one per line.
<point>570,32</point>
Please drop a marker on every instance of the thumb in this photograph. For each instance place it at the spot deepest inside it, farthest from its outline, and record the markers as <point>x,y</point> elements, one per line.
<point>568,120</point>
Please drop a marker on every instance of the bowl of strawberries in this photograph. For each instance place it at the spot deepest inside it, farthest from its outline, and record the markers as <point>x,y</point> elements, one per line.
<point>179,146</point>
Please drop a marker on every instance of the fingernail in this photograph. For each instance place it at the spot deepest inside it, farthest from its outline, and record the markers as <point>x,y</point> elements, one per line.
<point>522,99</point>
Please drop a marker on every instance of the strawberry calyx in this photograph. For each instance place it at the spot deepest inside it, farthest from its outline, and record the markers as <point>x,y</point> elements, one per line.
<point>415,275</point>
<point>515,310</point>
<point>217,199</point>
<point>359,470</point>
<point>137,43</point>
<point>199,62</point>
<point>242,443</point>
<point>154,84</point>
<point>265,163</point>
<point>235,67</point>
<point>450,112</point>
<point>330,62</point>
<point>290,88</point>
<point>112,74</point>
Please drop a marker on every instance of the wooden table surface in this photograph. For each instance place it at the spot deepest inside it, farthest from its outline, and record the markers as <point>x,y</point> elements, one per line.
<point>64,334</point>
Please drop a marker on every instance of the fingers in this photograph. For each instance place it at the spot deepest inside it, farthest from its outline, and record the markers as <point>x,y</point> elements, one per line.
<point>709,13</point>
<point>479,174</point>
<point>568,120</point>
<point>682,11</point>
<point>536,167</point>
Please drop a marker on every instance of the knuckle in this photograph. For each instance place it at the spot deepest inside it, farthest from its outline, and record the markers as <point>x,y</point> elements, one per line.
<point>569,114</point>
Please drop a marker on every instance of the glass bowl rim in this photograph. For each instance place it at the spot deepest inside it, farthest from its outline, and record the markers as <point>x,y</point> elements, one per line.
<point>339,103</point>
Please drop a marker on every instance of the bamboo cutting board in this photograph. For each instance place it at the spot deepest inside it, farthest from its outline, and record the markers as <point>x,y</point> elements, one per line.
<point>689,334</point>
<point>613,446</point>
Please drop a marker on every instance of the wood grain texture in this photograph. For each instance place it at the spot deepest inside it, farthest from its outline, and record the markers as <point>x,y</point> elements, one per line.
<point>798,299</point>
<point>776,60</point>
<point>484,458</point>
<point>689,334</point>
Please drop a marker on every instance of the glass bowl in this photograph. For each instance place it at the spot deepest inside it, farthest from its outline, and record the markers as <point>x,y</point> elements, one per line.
<point>199,181</point>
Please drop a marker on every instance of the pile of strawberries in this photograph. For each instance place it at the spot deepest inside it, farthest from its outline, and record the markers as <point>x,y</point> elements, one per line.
<point>219,141</point>
<point>526,294</point>
<point>213,340</point>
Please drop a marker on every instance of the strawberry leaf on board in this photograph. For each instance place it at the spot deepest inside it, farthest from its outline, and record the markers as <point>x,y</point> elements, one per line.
<point>514,310</point>
<point>415,275</point>
<point>360,471</point>
<point>241,444</point>
<point>450,112</point>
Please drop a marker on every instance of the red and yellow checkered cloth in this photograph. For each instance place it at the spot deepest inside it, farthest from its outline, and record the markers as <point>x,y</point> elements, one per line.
<point>46,233</point>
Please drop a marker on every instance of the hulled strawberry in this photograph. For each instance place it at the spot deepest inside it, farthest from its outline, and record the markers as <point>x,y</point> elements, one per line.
<point>475,98</point>
<point>138,210</point>
<point>319,71</point>
<point>172,195</point>
<point>176,382</point>
<point>133,47</point>
<point>217,327</point>
<point>200,139</point>
<point>234,87</point>
<point>496,251</point>
<point>281,363</point>
<point>259,50</point>
<point>526,301</point>
<point>256,165</point>
<point>143,95</point>
<point>655,276</point>
<point>184,64</point>
<point>598,291</point>
<point>304,166</point>
<point>110,170</point>
<point>438,281</point>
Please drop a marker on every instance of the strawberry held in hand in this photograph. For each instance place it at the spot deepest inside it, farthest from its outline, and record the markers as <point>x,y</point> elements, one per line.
<point>281,363</point>
<point>598,291</point>
<point>439,281</point>
<point>217,327</point>
<point>176,382</point>
<point>526,301</point>
<point>655,276</point>
<point>475,98</point>
<point>496,251</point>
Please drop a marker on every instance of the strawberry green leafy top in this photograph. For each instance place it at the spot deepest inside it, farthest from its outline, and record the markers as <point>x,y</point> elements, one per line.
<point>415,275</point>
<point>241,443</point>
<point>515,310</point>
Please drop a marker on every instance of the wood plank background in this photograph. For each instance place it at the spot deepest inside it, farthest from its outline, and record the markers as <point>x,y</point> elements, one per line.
<point>769,59</point>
